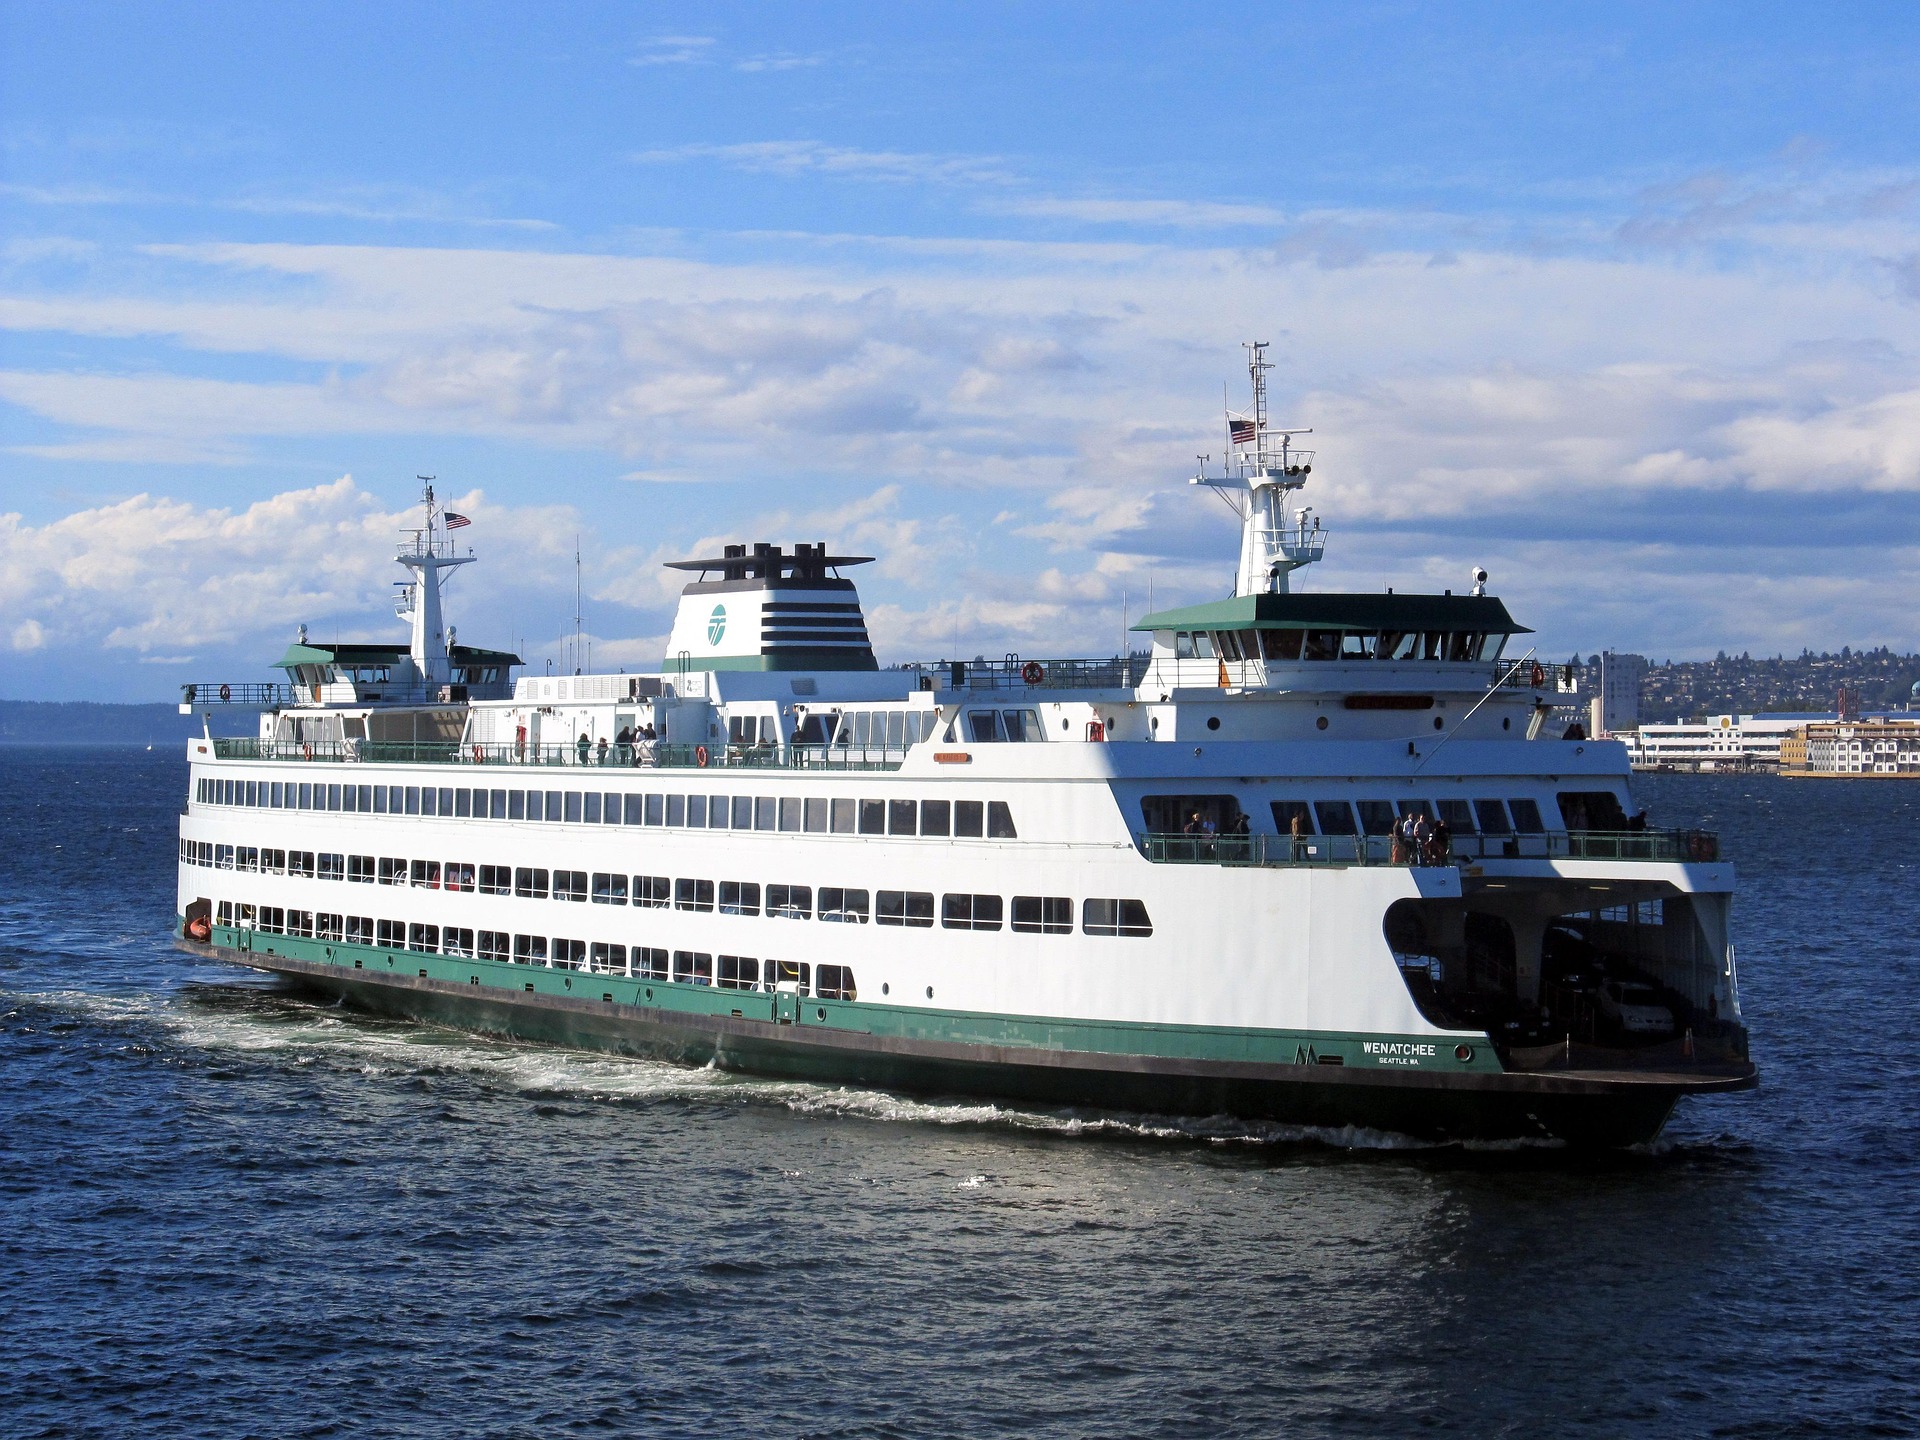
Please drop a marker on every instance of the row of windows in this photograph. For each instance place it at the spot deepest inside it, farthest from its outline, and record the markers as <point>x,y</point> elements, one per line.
<point>558,952</point>
<point>1032,914</point>
<point>1336,645</point>
<point>965,819</point>
<point>1377,817</point>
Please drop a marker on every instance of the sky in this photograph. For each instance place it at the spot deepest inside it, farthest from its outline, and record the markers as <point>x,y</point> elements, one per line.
<point>1617,302</point>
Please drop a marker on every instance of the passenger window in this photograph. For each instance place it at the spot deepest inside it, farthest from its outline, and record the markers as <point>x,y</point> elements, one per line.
<point>1229,643</point>
<point>1322,645</point>
<point>970,912</point>
<point>693,895</point>
<point>790,812</point>
<point>983,726</point>
<point>912,908</point>
<point>332,867</point>
<point>1592,810</point>
<point>1202,645</point>
<point>529,949</point>
<point>530,883</point>
<point>568,954</point>
<point>969,819</point>
<point>676,811</point>
<point>1458,816</point>
<point>843,817</point>
<point>459,875</point>
<point>739,972</point>
<point>902,818</point>
<point>649,963</point>
<point>846,907</point>
<point>763,812</point>
<point>873,817</point>
<point>743,812</point>
<point>570,885</point>
<point>790,902</point>
<point>1042,915</point>
<point>456,940</point>
<point>692,967</point>
<point>1116,917</point>
<point>426,874</point>
<point>1376,816</point>
<point>1285,812</point>
<point>936,817</point>
<point>696,812</point>
<point>495,944</point>
<point>496,880</point>
<point>1182,645</point>
<point>1022,724</point>
<point>652,892</point>
<point>835,982</point>
<point>609,889</point>
<point>739,897</point>
<point>1526,817</point>
<point>1416,807</point>
<point>816,814</point>
<point>1335,817</point>
<point>788,974</point>
<point>1492,815</point>
<point>607,959</point>
<point>717,812</point>
<point>1000,821</point>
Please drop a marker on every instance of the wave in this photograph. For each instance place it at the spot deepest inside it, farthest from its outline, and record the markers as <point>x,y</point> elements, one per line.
<point>258,1020</point>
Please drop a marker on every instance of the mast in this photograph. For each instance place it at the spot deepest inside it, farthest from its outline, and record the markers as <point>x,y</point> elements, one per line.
<point>419,600</point>
<point>1263,470</point>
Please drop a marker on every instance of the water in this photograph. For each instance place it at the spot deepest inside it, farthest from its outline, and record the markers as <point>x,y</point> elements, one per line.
<point>227,1210</point>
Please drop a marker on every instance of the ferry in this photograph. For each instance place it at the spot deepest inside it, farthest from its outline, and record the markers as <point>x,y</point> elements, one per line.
<point>1321,859</point>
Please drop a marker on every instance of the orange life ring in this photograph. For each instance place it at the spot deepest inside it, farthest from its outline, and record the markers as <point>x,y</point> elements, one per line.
<point>226,692</point>
<point>1033,672</point>
<point>700,756</point>
<point>199,930</point>
<point>1537,675</point>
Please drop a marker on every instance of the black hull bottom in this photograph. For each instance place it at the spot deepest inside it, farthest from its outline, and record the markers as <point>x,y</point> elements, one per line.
<point>1584,1109</point>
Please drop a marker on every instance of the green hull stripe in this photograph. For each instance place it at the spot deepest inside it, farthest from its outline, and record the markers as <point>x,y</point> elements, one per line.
<point>1401,1053</point>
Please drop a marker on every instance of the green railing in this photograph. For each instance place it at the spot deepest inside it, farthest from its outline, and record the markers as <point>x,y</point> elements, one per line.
<point>646,756</point>
<point>1662,845</point>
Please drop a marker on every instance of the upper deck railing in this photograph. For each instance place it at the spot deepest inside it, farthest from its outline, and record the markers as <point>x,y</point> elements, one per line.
<point>644,756</point>
<point>1273,850</point>
<point>1013,673</point>
<point>278,695</point>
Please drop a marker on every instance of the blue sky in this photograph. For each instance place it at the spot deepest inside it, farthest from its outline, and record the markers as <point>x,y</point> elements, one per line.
<point>1618,303</point>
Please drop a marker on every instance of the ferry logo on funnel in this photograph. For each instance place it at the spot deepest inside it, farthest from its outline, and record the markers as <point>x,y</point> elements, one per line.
<point>716,624</point>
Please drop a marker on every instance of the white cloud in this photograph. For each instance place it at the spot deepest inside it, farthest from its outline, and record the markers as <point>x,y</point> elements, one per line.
<point>675,50</point>
<point>796,158</point>
<point>28,635</point>
<point>1198,214</point>
<point>757,64</point>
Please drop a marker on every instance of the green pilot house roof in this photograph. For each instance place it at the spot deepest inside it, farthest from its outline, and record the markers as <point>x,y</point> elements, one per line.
<point>1479,613</point>
<point>351,655</point>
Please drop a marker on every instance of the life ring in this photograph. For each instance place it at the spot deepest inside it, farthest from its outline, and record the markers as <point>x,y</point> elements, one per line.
<point>1033,672</point>
<point>1537,675</point>
<point>700,756</point>
<point>199,930</point>
<point>226,692</point>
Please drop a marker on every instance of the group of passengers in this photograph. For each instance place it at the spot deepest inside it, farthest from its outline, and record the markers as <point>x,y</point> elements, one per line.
<point>632,746</point>
<point>1420,840</point>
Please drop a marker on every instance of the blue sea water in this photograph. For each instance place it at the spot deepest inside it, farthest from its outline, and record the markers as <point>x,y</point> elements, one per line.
<point>228,1210</point>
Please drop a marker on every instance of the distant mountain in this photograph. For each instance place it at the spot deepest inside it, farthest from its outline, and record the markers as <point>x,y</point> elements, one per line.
<point>82,722</point>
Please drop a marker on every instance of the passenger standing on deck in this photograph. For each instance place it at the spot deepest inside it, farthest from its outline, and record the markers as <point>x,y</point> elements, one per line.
<point>1296,829</point>
<point>583,747</point>
<point>623,746</point>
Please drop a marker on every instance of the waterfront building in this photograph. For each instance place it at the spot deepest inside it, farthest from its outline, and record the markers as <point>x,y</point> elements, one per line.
<point>1880,745</point>
<point>1718,742</point>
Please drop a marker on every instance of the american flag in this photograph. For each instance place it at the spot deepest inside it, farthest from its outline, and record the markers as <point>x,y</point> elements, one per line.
<point>454,522</point>
<point>1240,432</point>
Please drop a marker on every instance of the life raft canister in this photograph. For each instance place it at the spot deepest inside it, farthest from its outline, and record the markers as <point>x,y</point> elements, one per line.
<point>1033,672</point>
<point>700,756</point>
